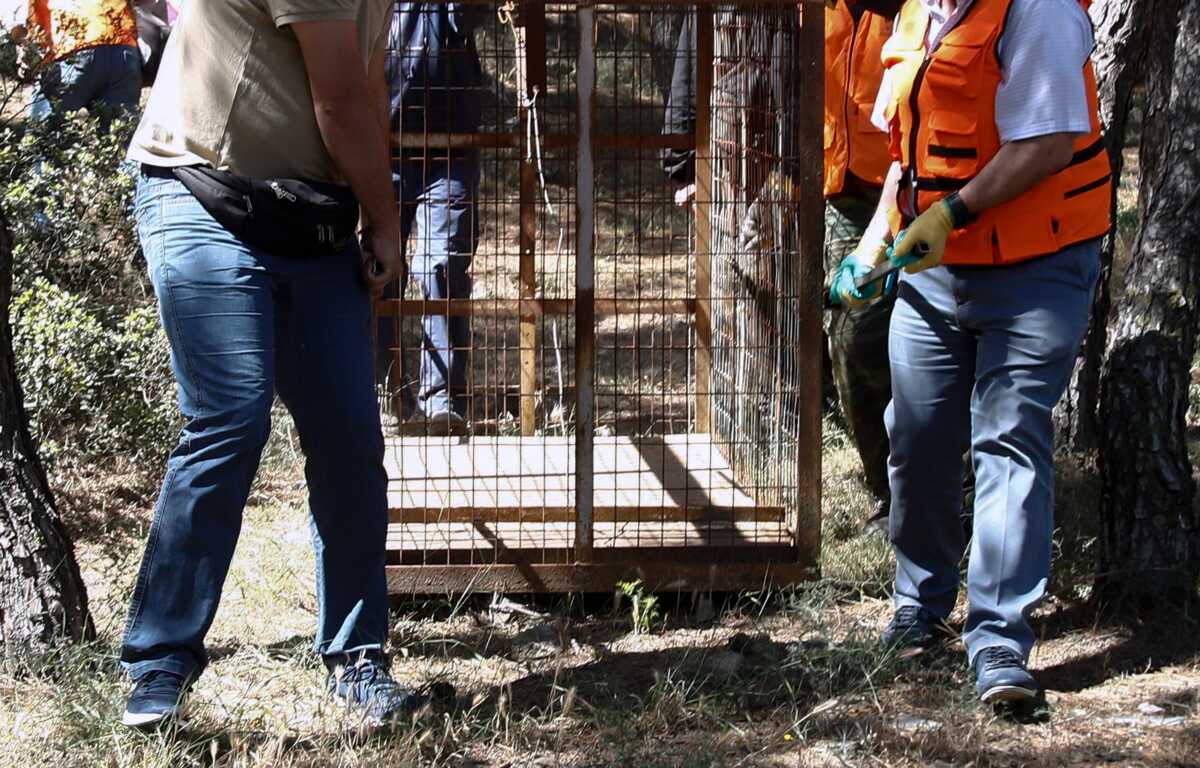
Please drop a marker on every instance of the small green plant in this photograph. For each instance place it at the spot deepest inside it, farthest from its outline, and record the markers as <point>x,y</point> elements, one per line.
<point>644,611</point>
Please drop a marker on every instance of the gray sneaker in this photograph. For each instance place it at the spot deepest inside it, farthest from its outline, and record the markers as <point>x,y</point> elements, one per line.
<point>912,630</point>
<point>366,686</point>
<point>157,700</point>
<point>1001,676</point>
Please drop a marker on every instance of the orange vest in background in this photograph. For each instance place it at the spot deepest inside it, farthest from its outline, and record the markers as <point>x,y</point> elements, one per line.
<point>853,69</point>
<point>73,25</point>
<point>943,118</point>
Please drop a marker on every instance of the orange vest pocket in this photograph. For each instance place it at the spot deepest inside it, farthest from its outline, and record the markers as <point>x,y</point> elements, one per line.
<point>951,150</point>
<point>956,70</point>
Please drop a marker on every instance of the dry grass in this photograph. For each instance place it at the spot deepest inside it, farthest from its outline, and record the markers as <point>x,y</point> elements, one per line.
<point>812,691</point>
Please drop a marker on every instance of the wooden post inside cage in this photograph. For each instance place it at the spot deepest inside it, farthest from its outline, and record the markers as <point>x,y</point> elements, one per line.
<point>676,438</point>
<point>703,250</point>
<point>531,81</point>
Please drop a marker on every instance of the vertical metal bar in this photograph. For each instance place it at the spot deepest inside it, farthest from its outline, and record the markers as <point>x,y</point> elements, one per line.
<point>532,64</point>
<point>810,156</point>
<point>585,310</point>
<point>703,220</point>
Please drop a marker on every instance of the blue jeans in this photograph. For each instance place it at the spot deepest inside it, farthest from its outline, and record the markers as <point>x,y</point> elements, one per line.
<point>437,195</point>
<point>244,325</point>
<point>980,356</point>
<point>106,75</point>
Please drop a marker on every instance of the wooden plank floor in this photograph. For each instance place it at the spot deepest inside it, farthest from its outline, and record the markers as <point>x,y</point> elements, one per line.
<point>487,537</point>
<point>492,493</point>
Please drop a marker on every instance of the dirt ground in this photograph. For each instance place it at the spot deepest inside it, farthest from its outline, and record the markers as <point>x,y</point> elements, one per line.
<point>790,678</point>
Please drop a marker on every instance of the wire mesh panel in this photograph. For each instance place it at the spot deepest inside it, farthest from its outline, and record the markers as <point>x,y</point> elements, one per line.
<point>590,376</point>
<point>756,250</point>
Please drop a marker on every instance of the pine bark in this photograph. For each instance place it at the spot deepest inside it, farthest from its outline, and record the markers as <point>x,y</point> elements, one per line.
<point>43,601</point>
<point>1121,38</point>
<point>1150,541</point>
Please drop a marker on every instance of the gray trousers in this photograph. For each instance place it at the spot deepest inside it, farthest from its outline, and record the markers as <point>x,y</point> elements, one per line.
<point>979,357</point>
<point>439,197</point>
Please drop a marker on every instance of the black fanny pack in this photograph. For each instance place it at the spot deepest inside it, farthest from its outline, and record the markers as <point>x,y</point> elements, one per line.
<point>288,217</point>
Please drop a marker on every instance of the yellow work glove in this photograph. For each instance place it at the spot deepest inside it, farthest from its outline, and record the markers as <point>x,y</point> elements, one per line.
<point>857,265</point>
<point>923,243</point>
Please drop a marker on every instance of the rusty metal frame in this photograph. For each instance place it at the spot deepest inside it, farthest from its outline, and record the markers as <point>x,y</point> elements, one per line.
<point>810,156</point>
<point>583,568</point>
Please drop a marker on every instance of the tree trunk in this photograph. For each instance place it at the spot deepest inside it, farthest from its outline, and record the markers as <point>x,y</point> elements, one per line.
<point>42,597</point>
<point>1150,541</point>
<point>1121,36</point>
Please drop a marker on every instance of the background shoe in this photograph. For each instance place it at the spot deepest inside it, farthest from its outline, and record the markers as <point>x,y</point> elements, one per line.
<point>912,628</point>
<point>157,699</point>
<point>444,421</point>
<point>1001,676</point>
<point>877,523</point>
<point>366,686</point>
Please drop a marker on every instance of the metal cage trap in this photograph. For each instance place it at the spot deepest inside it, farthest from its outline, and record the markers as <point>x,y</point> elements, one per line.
<point>640,380</point>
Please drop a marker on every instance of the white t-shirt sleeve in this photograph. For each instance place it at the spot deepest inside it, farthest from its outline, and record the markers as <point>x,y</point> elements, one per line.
<point>1045,46</point>
<point>879,112</point>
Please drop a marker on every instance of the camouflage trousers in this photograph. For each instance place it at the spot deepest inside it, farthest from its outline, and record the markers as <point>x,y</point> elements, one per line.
<point>858,346</point>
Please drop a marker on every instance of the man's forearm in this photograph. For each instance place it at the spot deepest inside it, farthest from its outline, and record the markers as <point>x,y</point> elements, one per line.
<point>1017,168</point>
<point>351,131</point>
<point>381,95</point>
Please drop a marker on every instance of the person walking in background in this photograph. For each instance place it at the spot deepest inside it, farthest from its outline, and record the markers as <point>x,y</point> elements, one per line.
<point>262,299</point>
<point>680,113</point>
<point>435,81</point>
<point>995,209</point>
<point>856,161</point>
<point>92,57</point>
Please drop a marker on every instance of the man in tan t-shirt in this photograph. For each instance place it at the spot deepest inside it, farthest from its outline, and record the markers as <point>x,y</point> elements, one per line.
<point>279,89</point>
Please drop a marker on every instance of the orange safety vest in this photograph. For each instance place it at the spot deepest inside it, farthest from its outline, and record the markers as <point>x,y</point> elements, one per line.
<point>68,26</point>
<point>943,119</point>
<point>853,69</point>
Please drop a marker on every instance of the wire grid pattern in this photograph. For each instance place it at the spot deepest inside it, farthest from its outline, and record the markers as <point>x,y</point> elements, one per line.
<point>505,491</point>
<point>756,248</point>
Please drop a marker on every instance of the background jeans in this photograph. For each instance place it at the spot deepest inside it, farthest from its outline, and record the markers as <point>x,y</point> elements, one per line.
<point>244,325</point>
<point>438,196</point>
<point>107,75</point>
<point>980,356</point>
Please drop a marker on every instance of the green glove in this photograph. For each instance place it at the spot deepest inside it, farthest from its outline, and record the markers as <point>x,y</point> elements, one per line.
<point>857,265</point>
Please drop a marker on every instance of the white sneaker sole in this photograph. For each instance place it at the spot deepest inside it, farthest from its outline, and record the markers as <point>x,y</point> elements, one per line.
<point>1007,694</point>
<point>142,721</point>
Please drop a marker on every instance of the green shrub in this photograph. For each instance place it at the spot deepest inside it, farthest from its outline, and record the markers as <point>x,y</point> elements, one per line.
<point>62,354</point>
<point>91,358</point>
<point>69,205</point>
<point>92,390</point>
<point>144,411</point>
